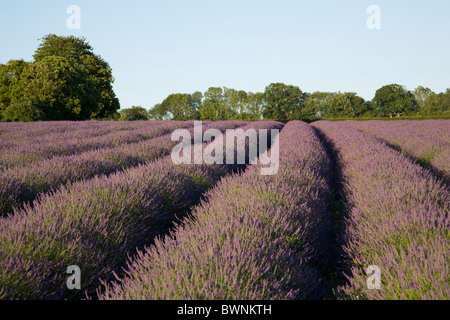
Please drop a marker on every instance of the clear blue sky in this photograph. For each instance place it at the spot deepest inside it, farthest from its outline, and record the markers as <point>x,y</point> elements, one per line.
<point>160,47</point>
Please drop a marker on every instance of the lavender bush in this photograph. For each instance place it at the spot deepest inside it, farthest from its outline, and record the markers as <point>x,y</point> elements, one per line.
<point>26,153</point>
<point>31,134</point>
<point>35,131</point>
<point>427,141</point>
<point>23,184</point>
<point>53,133</point>
<point>398,219</point>
<point>95,225</point>
<point>254,237</point>
<point>249,237</point>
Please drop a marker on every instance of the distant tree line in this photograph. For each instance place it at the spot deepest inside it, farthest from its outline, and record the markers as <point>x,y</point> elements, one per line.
<point>287,102</point>
<point>67,81</point>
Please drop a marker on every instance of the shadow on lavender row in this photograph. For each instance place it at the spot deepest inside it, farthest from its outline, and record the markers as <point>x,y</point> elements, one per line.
<point>338,264</point>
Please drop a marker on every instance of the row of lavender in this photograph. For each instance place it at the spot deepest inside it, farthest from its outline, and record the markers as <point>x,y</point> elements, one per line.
<point>37,130</point>
<point>96,224</point>
<point>397,219</point>
<point>28,152</point>
<point>254,237</point>
<point>23,184</point>
<point>24,130</point>
<point>427,141</point>
<point>55,133</point>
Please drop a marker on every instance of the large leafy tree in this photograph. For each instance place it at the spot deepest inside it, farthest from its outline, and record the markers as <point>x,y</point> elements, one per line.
<point>393,100</point>
<point>10,75</point>
<point>283,102</point>
<point>436,103</point>
<point>444,105</point>
<point>134,113</point>
<point>66,81</point>
<point>178,106</point>
<point>182,106</point>
<point>255,106</point>
<point>346,104</point>
<point>431,105</point>
<point>196,100</point>
<point>53,89</point>
<point>80,53</point>
<point>316,104</point>
<point>421,94</point>
<point>236,101</point>
<point>158,112</point>
<point>214,106</point>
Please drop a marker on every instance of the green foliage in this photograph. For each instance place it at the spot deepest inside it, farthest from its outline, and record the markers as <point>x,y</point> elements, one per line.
<point>230,104</point>
<point>236,102</point>
<point>66,81</point>
<point>421,94</point>
<point>57,90</point>
<point>10,75</point>
<point>445,101</point>
<point>80,53</point>
<point>23,111</point>
<point>315,104</point>
<point>346,104</point>
<point>215,107</point>
<point>158,113</point>
<point>178,106</point>
<point>431,105</point>
<point>181,106</point>
<point>254,107</point>
<point>112,117</point>
<point>134,113</point>
<point>393,100</point>
<point>283,102</point>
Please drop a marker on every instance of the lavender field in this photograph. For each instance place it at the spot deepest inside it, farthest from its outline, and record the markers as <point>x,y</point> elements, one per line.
<point>107,197</point>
